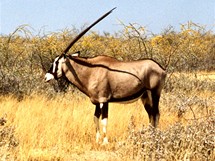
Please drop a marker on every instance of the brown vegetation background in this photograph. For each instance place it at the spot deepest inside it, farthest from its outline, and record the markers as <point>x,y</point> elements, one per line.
<point>24,55</point>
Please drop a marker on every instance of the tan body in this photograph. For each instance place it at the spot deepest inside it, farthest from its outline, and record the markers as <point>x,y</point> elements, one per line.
<point>104,79</point>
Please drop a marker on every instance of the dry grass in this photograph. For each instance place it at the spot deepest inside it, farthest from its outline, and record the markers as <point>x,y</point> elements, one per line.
<point>63,129</point>
<point>57,128</point>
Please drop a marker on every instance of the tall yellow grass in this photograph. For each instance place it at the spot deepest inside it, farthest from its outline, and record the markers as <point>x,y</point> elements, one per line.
<point>53,129</point>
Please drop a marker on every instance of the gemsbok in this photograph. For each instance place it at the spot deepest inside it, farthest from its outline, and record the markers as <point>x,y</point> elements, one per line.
<point>104,79</point>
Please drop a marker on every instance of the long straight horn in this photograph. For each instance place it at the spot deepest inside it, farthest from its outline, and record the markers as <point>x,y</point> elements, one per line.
<point>84,31</point>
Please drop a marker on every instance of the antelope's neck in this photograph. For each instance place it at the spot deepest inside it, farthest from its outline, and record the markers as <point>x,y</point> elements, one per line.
<point>76,74</point>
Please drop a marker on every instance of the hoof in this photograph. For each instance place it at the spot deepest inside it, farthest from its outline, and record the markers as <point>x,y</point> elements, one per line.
<point>97,137</point>
<point>105,141</point>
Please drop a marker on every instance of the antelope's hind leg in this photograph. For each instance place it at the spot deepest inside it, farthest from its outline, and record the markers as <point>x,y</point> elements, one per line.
<point>155,113</point>
<point>150,100</point>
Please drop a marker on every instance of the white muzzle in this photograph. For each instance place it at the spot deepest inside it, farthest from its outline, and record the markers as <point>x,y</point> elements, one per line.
<point>49,77</point>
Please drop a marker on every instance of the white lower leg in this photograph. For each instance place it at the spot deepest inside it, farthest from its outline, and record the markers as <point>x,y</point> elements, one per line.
<point>96,121</point>
<point>104,129</point>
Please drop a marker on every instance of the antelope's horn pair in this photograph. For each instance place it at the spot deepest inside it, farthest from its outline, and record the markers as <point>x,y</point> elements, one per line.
<point>84,31</point>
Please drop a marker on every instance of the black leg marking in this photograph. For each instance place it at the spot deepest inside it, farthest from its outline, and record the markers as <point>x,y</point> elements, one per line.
<point>104,121</point>
<point>104,111</point>
<point>96,121</point>
<point>97,111</point>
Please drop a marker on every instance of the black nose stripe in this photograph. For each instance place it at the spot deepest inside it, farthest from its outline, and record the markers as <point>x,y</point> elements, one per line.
<point>56,66</point>
<point>54,73</point>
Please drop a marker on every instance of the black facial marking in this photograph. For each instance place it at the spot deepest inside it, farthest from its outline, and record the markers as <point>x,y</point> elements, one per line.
<point>54,73</point>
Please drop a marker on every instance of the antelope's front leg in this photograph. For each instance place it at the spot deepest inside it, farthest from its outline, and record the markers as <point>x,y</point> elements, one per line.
<point>96,121</point>
<point>104,121</point>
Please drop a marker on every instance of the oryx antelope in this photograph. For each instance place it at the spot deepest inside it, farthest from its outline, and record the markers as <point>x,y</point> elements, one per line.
<point>104,79</point>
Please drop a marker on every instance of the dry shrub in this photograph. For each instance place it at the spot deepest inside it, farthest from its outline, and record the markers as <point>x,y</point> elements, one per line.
<point>8,141</point>
<point>190,94</point>
<point>192,142</point>
<point>24,57</point>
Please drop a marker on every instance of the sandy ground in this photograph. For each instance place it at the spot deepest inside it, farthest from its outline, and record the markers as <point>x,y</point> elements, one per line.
<point>95,156</point>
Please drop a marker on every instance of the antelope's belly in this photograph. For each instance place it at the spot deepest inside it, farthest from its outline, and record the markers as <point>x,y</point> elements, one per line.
<point>127,97</point>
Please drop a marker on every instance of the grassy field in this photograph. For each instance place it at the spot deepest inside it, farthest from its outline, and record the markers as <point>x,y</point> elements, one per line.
<point>39,128</point>
<point>35,126</point>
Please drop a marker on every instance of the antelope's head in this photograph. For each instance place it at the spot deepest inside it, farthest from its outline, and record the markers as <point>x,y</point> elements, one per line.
<point>56,70</point>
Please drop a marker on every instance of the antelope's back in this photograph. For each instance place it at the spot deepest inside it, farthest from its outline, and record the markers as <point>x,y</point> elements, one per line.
<point>135,67</point>
<point>146,72</point>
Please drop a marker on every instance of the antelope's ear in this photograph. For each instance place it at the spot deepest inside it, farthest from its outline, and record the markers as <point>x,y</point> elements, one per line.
<point>61,58</point>
<point>76,54</point>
